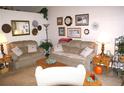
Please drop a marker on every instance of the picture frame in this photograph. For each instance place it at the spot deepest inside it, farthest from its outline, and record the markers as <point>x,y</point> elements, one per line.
<point>20,27</point>
<point>74,32</point>
<point>82,20</point>
<point>59,20</point>
<point>61,31</point>
<point>68,20</point>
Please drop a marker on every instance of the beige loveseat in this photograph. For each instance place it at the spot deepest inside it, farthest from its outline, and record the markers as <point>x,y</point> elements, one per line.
<point>71,53</point>
<point>26,58</point>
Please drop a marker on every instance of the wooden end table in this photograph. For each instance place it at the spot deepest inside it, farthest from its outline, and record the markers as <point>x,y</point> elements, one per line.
<point>42,62</point>
<point>95,83</point>
<point>102,59</point>
<point>6,61</point>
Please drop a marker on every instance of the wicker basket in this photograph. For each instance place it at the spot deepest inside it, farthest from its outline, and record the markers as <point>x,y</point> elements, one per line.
<point>121,58</point>
<point>4,70</point>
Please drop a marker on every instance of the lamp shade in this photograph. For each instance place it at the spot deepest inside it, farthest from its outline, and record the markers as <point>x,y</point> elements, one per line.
<point>3,39</point>
<point>103,37</point>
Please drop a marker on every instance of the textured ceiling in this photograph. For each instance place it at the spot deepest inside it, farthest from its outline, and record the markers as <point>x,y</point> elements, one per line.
<point>23,8</point>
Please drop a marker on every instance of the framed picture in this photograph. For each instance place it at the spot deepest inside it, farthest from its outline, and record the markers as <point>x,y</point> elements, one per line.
<point>82,20</point>
<point>61,31</point>
<point>20,27</point>
<point>59,20</point>
<point>68,20</point>
<point>74,32</point>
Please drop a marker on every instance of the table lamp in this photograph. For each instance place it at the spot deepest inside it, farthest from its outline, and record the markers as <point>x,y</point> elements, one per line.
<point>2,41</point>
<point>103,39</point>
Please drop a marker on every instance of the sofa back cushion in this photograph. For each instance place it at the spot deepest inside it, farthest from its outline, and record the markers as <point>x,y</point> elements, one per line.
<point>32,48</point>
<point>23,45</point>
<point>87,44</point>
<point>76,46</point>
<point>69,49</point>
<point>75,43</point>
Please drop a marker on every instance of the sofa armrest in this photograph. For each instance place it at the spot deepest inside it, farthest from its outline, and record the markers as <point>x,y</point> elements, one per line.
<point>40,50</point>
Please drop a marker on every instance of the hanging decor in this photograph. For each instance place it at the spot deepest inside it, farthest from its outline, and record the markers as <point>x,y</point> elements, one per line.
<point>68,20</point>
<point>39,27</point>
<point>95,26</point>
<point>6,28</point>
<point>34,23</point>
<point>86,31</point>
<point>34,31</point>
<point>44,11</point>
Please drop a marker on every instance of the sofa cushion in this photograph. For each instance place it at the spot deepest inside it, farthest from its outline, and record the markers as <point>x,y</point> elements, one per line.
<point>70,55</point>
<point>75,43</point>
<point>86,52</point>
<point>32,48</point>
<point>16,50</point>
<point>85,44</point>
<point>68,49</point>
<point>58,47</point>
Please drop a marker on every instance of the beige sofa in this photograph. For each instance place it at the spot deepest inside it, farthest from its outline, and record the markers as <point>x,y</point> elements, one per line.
<point>26,58</point>
<point>71,53</point>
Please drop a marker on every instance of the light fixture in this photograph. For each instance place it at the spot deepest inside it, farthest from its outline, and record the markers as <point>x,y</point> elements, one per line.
<point>102,39</point>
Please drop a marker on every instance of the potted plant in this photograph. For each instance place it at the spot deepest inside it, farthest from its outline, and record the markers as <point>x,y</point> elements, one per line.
<point>121,48</point>
<point>46,46</point>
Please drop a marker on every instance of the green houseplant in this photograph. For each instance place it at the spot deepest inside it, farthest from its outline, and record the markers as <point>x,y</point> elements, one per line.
<point>121,48</point>
<point>46,46</point>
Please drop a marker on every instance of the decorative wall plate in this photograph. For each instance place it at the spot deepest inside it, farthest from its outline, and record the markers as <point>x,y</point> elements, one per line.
<point>95,26</point>
<point>68,20</point>
<point>39,27</point>
<point>6,28</point>
<point>34,23</point>
<point>34,31</point>
<point>86,31</point>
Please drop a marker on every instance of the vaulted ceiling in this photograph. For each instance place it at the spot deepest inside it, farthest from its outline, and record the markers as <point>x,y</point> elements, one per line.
<point>23,8</point>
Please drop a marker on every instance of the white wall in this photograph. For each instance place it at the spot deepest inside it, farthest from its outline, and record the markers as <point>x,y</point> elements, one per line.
<point>7,15</point>
<point>109,19</point>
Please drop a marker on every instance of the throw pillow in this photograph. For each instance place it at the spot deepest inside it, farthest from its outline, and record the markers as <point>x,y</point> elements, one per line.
<point>58,47</point>
<point>86,52</point>
<point>16,50</point>
<point>32,48</point>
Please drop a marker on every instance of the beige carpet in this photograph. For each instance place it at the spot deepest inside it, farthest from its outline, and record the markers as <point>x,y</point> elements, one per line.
<point>21,77</point>
<point>25,77</point>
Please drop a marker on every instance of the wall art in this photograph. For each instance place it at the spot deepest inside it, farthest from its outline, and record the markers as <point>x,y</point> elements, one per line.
<point>74,32</point>
<point>59,20</point>
<point>61,31</point>
<point>6,28</point>
<point>68,20</point>
<point>82,20</point>
<point>20,27</point>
